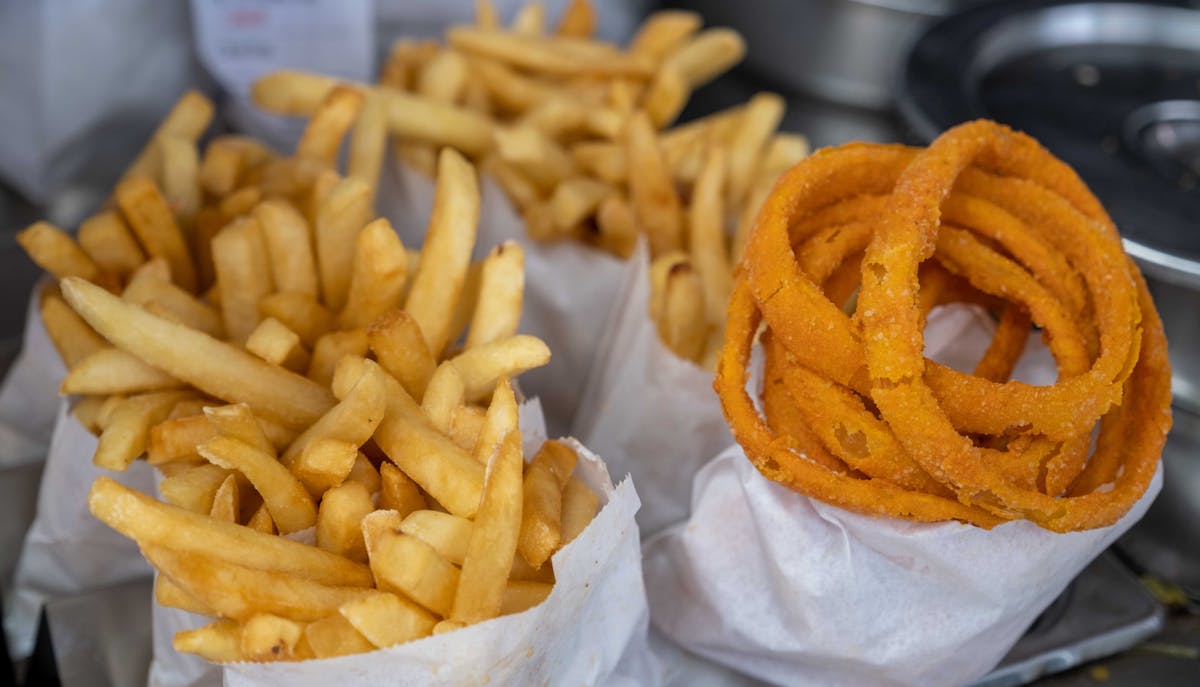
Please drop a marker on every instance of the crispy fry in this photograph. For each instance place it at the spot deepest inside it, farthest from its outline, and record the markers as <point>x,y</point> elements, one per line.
<point>579,505</point>
<point>290,505</point>
<point>272,341</point>
<point>113,371</point>
<point>150,217</point>
<point>494,535</point>
<point>482,366</point>
<point>501,293</point>
<point>331,348</point>
<point>387,619</point>
<point>56,252</point>
<point>444,393</point>
<point>220,641</point>
<point>195,488</point>
<point>323,136</point>
<point>72,337</point>
<point>367,143</point>
<point>378,275</point>
<point>127,429</point>
<point>339,520</point>
<point>289,246</point>
<point>188,119</point>
<point>341,216</point>
<point>437,284</point>
<point>300,313</point>
<point>655,202</point>
<point>243,275</point>
<point>107,240</point>
<point>707,236</point>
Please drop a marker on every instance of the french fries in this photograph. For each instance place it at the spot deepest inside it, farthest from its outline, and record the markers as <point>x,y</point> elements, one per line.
<point>248,333</point>
<point>579,134</point>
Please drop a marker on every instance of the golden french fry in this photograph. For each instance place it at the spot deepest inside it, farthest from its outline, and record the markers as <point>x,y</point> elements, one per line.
<point>602,159</point>
<point>180,175</point>
<point>466,422</point>
<point>579,19</point>
<point>105,413</point>
<point>443,78</point>
<point>353,420</point>
<point>219,641</point>
<point>530,20</point>
<point>447,534</point>
<point>535,155</point>
<point>662,32</point>
<point>328,125</point>
<point>195,488</point>
<point>261,521</point>
<point>519,189</point>
<point>655,201</point>
<point>272,341</point>
<point>555,116</point>
<point>510,90</point>
<point>167,593</point>
<point>127,429</point>
<point>289,502</point>
<point>707,55</point>
<point>408,566</point>
<point>783,152</point>
<point>240,202</point>
<point>176,438</point>
<point>113,371</point>
<point>324,463</point>
<point>485,15</point>
<point>150,522</point>
<point>707,240</point>
<point>497,313</point>
<point>397,492</point>
<point>618,228</point>
<point>299,312</point>
<point>268,637</point>
<point>577,199</point>
<point>521,596</point>
<point>410,117</point>
<point>754,201</point>
<point>152,222</point>
<point>335,636</point>
<point>437,285</point>
<point>683,326</point>
<point>552,56</point>
<point>494,537</point>
<point>667,95</point>
<point>482,366</point>
<point>364,473</point>
<point>146,287</point>
<point>188,118</point>
<point>367,142</point>
<point>387,619</point>
<point>541,512</point>
<point>579,505</point>
<point>225,161</point>
<point>243,275</point>
<point>501,419</point>
<point>107,240</point>
<point>378,275</point>
<point>56,252</point>
<point>760,119</point>
<point>87,412</point>
<point>399,346</point>
<point>289,248</point>
<point>238,421</point>
<point>341,216</point>
<point>225,505</point>
<point>444,393</point>
<point>405,61</point>
<point>72,337</point>
<point>446,472</point>
<point>339,521</point>
<point>331,348</point>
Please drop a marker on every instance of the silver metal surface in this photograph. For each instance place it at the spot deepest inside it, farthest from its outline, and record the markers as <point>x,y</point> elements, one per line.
<point>845,51</point>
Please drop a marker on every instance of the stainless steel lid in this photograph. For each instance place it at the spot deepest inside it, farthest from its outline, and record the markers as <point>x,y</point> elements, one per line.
<point>1112,88</point>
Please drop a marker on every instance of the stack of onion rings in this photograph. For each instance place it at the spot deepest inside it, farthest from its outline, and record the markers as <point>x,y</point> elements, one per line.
<point>855,415</point>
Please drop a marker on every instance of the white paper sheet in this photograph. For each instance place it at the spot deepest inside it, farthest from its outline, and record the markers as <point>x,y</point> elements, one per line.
<point>569,288</point>
<point>790,590</point>
<point>647,411</point>
<point>67,550</point>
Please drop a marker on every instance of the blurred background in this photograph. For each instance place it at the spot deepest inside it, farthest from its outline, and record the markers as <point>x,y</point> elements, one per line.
<point>1113,88</point>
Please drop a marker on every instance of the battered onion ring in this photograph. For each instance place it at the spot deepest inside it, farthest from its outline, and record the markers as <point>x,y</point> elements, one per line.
<point>893,433</point>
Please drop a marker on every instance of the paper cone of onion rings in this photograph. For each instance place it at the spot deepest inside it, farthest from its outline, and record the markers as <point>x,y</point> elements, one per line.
<point>899,521</point>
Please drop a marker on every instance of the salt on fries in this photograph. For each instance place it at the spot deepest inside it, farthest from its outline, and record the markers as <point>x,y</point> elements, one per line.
<point>574,130</point>
<point>240,321</point>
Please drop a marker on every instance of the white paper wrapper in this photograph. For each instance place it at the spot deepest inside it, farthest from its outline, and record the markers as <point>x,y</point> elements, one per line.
<point>67,550</point>
<point>569,288</point>
<point>29,399</point>
<point>592,630</point>
<point>794,591</point>
<point>647,411</point>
